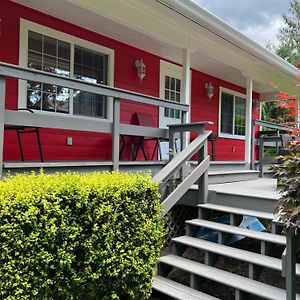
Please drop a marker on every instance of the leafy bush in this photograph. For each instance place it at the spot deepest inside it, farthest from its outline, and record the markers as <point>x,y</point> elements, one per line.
<point>287,171</point>
<point>270,152</point>
<point>75,236</point>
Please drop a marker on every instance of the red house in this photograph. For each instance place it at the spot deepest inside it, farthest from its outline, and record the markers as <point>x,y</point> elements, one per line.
<point>168,49</point>
<point>94,85</point>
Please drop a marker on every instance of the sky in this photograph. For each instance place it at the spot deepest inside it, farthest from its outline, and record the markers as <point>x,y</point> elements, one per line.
<point>257,19</point>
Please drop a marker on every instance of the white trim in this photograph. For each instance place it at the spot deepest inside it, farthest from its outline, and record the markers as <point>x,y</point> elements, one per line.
<point>234,93</point>
<point>175,71</point>
<point>248,121</point>
<point>26,25</point>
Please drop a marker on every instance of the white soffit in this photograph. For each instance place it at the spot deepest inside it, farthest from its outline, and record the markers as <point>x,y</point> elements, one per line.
<point>154,26</point>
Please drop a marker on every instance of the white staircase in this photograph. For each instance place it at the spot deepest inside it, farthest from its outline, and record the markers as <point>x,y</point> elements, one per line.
<point>244,286</point>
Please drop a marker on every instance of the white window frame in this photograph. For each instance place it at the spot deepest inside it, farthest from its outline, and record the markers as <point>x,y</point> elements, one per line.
<point>26,26</point>
<point>172,70</point>
<point>233,93</point>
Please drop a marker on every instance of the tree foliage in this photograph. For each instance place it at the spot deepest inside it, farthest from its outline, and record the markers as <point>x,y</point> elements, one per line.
<point>285,110</point>
<point>287,172</point>
<point>289,35</point>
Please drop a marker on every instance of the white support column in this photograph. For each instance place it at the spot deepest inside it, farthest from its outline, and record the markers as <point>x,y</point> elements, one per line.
<point>248,121</point>
<point>186,88</point>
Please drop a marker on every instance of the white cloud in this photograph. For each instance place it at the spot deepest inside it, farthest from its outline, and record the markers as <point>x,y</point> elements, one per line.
<point>259,20</point>
<point>264,33</point>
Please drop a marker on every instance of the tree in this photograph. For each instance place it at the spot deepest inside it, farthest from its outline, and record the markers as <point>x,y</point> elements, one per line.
<point>285,110</point>
<point>289,35</point>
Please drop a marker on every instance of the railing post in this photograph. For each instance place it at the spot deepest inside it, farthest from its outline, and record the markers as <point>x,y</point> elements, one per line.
<point>261,157</point>
<point>2,110</point>
<point>291,249</point>
<point>116,134</point>
<point>203,180</point>
<point>171,143</point>
<point>252,167</point>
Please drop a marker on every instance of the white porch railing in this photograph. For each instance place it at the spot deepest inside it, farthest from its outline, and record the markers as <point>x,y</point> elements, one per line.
<point>71,122</point>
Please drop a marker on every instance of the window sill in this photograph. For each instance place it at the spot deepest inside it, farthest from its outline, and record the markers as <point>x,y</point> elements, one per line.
<point>68,115</point>
<point>233,137</point>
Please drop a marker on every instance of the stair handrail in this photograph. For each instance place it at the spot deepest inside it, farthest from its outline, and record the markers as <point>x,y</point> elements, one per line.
<point>198,145</point>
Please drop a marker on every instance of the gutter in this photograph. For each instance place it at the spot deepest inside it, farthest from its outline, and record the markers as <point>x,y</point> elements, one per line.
<point>195,13</point>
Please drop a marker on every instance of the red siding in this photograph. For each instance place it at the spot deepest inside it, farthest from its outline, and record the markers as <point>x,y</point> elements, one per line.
<point>203,109</point>
<point>92,146</point>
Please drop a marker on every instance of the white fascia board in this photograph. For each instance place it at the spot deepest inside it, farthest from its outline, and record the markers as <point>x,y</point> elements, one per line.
<point>219,27</point>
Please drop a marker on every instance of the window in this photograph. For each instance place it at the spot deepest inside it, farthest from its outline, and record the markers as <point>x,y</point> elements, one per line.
<point>169,89</point>
<point>232,114</point>
<point>53,56</point>
<point>90,66</point>
<point>55,52</point>
<point>172,92</point>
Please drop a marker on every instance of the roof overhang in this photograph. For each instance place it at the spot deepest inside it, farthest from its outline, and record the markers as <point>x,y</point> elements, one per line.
<point>166,27</point>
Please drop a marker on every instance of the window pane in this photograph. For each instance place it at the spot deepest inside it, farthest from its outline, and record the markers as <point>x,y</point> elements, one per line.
<point>35,41</point>
<point>167,82</point>
<point>63,68</point>
<point>177,85</point>
<point>240,116</point>
<point>89,66</point>
<point>50,46</point>
<point>64,50</point>
<point>227,113</point>
<point>49,64</point>
<point>34,97</point>
<point>98,62</point>
<point>35,60</point>
<point>48,102</point>
<point>173,84</point>
<point>78,56</point>
<point>49,88</point>
<point>62,99</point>
<point>172,96</point>
<point>87,58</point>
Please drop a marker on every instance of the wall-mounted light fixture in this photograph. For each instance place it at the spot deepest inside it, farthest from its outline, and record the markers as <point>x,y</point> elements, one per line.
<point>209,90</point>
<point>140,68</point>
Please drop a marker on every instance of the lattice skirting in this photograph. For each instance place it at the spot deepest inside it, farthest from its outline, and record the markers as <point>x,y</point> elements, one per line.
<point>175,220</point>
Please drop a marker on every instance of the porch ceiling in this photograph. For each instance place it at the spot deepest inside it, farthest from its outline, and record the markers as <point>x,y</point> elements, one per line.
<point>154,26</point>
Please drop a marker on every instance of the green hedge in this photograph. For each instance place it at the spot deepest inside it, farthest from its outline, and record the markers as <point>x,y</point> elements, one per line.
<point>79,236</point>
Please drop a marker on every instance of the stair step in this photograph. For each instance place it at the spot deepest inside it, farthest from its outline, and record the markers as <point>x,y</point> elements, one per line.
<point>238,211</point>
<point>177,290</point>
<point>243,255</point>
<point>225,176</point>
<point>257,235</point>
<point>238,282</point>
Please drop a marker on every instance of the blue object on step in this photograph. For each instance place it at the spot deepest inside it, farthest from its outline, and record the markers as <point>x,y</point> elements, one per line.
<point>248,222</point>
